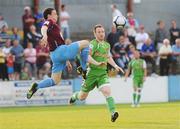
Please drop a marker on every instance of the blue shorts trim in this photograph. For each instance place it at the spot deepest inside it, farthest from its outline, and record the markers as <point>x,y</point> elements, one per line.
<point>63,53</point>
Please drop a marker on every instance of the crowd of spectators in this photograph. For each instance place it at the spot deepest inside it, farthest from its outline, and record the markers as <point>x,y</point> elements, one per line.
<point>161,51</point>
<point>23,57</point>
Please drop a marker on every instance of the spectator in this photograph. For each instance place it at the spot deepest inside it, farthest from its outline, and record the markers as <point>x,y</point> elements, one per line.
<point>15,35</point>
<point>165,52</point>
<point>113,36</point>
<point>160,34</point>
<point>17,50</point>
<point>30,60</point>
<point>27,20</point>
<point>174,32</point>
<point>131,50</point>
<point>3,70</point>
<point>2,23</point>
<point>64,17</point>
<point>119,52</point>
<point>39,20</point>
<point>33,36</point>
<point>45,71</point>
<point>149,53</point>
<point>125,33</point>
<point>24,75</point>
<point>4,36</point>
<point>7,48</point>
<point>176,55</point>
<point>132,25</point>
<point>131,21</point>
<point>141,37</point>
<point>10,66</point>
<point>42,58</point>
<point>115,11</point>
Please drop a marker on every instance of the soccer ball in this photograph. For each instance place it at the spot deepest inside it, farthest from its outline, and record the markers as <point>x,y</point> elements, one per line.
<point>119,22</point>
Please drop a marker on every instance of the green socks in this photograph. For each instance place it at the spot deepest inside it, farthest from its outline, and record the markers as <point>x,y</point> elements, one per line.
<point>110,104</point>
<point>138,97</point>
<point>134,98</point>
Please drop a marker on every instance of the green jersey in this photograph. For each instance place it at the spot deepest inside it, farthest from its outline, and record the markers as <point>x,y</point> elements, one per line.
<point>97,75</point>
<point>100,53</point>
<point>137,66</point>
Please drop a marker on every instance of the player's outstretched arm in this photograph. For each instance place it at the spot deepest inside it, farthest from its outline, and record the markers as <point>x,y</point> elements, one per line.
<point>112,63</point>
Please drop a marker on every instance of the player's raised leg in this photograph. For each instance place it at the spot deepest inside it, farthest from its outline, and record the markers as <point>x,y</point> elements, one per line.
<point>49,82</point>
<point>106,91</point>
<point>72,51</point>
<point>84,47</point>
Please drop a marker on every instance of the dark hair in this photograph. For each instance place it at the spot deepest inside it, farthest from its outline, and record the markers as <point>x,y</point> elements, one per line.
<point>63,6</point>
<point>47,12</point>
<point>97,26</point>
<point>114,6</point>
<point>159,22</point>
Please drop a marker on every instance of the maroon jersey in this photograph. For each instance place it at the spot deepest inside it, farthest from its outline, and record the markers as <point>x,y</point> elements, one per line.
<point>54,37</point>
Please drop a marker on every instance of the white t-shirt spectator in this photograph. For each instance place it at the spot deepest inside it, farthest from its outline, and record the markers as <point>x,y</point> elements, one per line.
<point>6,50</point>
<point>140,39</point>
<point>116,12</point>
<point>3,23</point>
<point>64,14</point>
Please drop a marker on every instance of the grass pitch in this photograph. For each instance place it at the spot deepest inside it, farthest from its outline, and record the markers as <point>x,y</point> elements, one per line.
<point>148,116</point>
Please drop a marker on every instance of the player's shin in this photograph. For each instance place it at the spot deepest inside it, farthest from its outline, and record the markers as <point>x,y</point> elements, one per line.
<point>134,98</point>
<point>46,83</point>
<point>138,97</point>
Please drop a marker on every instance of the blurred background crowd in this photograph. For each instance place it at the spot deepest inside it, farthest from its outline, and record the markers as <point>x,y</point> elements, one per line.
<point>23,58</point>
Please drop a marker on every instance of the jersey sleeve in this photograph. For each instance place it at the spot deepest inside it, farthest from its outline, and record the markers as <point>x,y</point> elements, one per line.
<point>92,47</point>
<point>109,53</point>
<point>47,23</point>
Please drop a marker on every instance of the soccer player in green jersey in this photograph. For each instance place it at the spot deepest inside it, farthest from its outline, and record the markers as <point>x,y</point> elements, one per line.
<point>138,68</point>
<point>96,74</point>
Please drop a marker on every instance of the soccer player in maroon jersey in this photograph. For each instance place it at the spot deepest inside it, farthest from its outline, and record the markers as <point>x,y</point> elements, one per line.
<point>60,53</point>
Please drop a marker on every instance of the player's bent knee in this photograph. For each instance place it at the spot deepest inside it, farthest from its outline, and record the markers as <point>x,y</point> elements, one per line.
<point>56,78</point>
<point>83,43</point>
<point>106,91</point>
<point>56,81</point>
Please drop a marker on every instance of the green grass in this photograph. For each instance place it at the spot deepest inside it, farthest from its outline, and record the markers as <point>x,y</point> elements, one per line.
<point>148,116</point>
